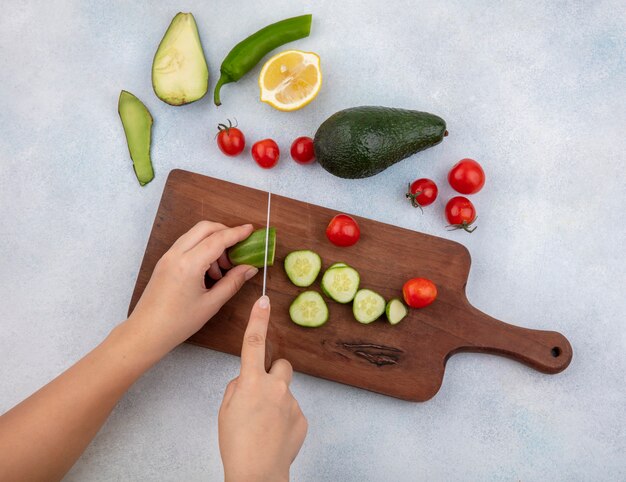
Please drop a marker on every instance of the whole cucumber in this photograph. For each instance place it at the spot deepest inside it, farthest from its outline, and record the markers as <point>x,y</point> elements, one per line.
<point>363,141</point>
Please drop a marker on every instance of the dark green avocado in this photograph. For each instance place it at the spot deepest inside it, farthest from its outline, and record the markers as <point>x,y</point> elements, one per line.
<point>363,141</point>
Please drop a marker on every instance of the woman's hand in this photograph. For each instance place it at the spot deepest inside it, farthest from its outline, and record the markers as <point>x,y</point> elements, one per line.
<point>261,426</point>
<point>41,437</point>
<point>176,303</point>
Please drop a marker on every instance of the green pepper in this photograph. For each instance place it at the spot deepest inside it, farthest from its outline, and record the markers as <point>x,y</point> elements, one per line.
<point>247,53</point>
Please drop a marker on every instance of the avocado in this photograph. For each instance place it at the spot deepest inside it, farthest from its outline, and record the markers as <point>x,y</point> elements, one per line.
<point>179,70</point>
<point>137,123</point>
<point>363,141</point>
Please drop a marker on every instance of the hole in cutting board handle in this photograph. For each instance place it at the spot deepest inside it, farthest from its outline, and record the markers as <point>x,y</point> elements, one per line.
<point>556,352</point>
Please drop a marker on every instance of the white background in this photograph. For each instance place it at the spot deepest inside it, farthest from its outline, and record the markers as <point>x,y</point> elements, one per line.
<point>533,90</point>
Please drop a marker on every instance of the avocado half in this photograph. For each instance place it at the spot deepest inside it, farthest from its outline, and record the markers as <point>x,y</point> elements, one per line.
<point>179,70</point>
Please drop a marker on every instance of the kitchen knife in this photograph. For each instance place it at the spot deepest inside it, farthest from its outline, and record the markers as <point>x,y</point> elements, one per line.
<point>267,234</point>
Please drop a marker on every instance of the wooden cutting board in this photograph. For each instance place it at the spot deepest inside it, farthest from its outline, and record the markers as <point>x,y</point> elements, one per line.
<point>405,361</point>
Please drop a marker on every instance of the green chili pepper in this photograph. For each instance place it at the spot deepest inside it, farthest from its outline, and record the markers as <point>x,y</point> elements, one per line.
<point>247,53</point>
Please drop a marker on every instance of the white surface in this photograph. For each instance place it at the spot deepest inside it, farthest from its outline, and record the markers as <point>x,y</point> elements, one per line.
<point>534,92</point>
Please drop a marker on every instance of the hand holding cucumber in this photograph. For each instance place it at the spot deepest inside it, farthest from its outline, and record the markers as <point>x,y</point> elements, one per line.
<point>175,304</point>
<point>259,421</point>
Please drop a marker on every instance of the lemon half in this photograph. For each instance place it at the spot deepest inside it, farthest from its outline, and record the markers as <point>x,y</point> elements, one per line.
<point>290,79</point>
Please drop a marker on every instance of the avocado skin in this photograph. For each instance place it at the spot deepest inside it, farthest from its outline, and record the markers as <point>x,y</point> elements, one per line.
<point>137,123</point>
<point>363,141</point>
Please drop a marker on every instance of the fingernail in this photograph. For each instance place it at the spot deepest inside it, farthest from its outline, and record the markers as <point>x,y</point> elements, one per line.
<point>250,273</point>
<point>264,302</point>
<point>248,226</point>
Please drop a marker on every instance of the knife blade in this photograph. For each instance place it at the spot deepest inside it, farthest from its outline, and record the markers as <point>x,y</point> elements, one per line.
<point>267,236</point>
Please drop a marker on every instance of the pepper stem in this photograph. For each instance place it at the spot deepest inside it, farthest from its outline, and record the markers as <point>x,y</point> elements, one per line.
<point>224,79</point>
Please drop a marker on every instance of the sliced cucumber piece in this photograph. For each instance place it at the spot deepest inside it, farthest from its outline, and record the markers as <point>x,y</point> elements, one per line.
<point>368,306</point>
<point>252,249</point>
<point>341,283</point>
<point>337,265</point>
<point>396,311</point>
<point>309,309</point>
<point>302,267</point>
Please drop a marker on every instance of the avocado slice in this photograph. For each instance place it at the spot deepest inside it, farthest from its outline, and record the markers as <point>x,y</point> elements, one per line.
<point>179,70</point>
<point>137,123</point>
<point>363,141</point>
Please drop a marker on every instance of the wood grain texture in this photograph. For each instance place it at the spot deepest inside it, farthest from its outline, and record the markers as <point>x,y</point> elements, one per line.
<point>406,361</point>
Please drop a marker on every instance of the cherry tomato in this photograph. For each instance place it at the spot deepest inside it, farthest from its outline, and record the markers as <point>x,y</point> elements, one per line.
<point>266,153</point>
<point>343,230</point>
<point>419,292</point>
<point>302,150</point>
<point>422,192</point>
<point>461,213</point>
<point>230,140</point>
<point>467,176</point>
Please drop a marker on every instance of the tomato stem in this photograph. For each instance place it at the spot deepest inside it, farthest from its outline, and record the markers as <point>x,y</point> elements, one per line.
<point>413,197</point>
<point>465,226</point>
<point>223,127</point>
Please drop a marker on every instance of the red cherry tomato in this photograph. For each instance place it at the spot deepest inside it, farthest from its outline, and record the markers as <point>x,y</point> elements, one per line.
<point>266,153</point>
<point>467,176</point>
<point>419,292</point>
<point>461,213</point>
<point>302,150</point>
<point>343,230</point>
<point>422,192</point>
<point>230,140</point>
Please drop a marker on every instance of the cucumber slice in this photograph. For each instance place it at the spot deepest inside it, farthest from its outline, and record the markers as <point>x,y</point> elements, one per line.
<point>340,284</point>
<point>337,265</point>
<point>396,311</point>
<point>252,249</point>
<point>309,309</point>
<point>302,267</point>
<point>368,306</point>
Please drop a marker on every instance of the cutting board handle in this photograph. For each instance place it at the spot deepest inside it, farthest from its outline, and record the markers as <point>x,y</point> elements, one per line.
<point>546,351</point>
